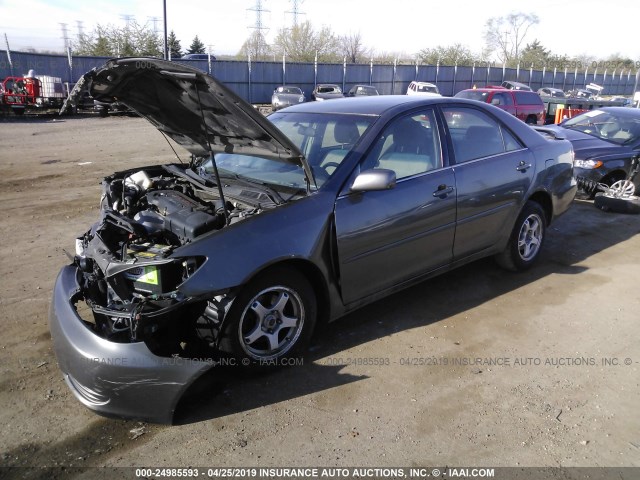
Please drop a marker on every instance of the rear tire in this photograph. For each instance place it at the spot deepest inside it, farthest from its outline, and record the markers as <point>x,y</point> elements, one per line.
<point>526,239</point>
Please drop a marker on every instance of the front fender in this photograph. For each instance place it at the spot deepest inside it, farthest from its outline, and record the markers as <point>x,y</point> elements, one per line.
<point>299,230</point>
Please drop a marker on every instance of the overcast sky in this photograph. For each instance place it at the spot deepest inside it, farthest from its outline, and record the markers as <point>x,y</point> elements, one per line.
<point>571,27</point>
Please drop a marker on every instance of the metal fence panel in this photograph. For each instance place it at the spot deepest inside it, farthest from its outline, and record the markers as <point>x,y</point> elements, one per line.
<point>255,81</point>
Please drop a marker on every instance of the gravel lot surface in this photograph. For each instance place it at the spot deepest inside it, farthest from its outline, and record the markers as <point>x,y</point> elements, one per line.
<point>554,398</point>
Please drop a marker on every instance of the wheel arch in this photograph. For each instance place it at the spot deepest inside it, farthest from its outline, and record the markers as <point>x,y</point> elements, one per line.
<point>544,200</point>
<point>313,274</point>
<point>614,175</point>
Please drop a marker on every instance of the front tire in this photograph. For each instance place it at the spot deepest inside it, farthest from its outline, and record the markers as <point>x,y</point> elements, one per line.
<point>272,318</point>
<point>526,239</point>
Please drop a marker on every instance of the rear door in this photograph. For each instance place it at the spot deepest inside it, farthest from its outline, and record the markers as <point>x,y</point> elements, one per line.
<point>493,172</point>
<point>385,238</point>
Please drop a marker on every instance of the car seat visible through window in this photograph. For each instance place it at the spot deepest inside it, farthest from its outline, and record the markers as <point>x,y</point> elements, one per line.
<point>411,150</point>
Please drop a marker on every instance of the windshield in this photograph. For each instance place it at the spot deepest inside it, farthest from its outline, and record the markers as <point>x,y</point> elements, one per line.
<point>329,89</point>
<point>473,95</point>
<point>614,128</point>
<point>427,88</point>
<point>324,139</point>
<point>292,90</point>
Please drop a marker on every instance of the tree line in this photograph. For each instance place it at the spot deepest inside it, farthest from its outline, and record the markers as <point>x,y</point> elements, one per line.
<point>506,43</point>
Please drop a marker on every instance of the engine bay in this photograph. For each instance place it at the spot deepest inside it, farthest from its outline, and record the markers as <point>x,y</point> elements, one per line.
<point>129,275</point>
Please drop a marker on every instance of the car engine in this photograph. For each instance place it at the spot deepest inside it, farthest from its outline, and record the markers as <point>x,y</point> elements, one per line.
<point>129,277</point>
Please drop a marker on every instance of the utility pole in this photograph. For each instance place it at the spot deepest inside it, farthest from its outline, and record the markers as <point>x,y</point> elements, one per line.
<point>259,29</point>
<point>295,11</point>
<point>80,28</point>
<point>65,36</point>
<point>165,53</point>
<point>155,21</point>
<point>127,19</point>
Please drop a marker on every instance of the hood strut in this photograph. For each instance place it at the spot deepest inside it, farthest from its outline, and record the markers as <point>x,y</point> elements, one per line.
<point>212,156</point>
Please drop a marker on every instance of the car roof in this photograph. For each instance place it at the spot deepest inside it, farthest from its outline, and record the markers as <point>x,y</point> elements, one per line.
<point>622,111</point>
<point>374,105</point>
<point>390,105</point>
<point>424,83</point>
<point>513,82</point>
<point>486,89</point>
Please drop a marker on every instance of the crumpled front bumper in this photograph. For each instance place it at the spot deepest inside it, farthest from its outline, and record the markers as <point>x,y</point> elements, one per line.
<point>117,379</point>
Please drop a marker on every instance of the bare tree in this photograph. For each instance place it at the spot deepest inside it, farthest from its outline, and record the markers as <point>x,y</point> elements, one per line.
<point>457,54</point>
<point>353,48</point>
<point>301,43</point>
<point>133,39</point>
<point>256,47</point>
<point>506,35</point>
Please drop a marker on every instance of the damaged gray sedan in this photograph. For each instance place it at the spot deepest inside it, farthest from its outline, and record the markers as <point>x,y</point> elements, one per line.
<point>271,226</point>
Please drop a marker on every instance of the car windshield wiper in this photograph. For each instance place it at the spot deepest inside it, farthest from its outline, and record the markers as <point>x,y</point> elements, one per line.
<point>271,192</point>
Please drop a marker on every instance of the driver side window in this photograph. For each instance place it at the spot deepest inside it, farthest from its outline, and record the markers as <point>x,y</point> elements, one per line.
<point>409,145</point>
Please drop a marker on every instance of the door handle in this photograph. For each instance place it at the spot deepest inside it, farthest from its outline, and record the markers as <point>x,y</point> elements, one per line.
<point>523,167</point>
<point>443,190</point>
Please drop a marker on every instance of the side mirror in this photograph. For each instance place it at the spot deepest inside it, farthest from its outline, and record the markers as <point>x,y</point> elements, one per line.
<point>372,180</point>
<point>495,101</point>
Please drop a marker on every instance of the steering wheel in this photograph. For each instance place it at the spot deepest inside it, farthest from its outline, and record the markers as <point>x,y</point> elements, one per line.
<point>322,172</point>
<point>330,164</point>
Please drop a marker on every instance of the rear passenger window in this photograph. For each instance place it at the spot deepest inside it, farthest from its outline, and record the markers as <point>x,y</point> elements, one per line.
<point>510,142</point>
<point>475,134</point>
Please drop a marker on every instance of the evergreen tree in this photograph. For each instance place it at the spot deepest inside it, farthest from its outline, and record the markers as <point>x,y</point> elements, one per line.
<point>196,46</point>
<point>173,44</point>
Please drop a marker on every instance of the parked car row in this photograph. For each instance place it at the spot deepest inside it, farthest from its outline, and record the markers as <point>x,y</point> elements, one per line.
<point>514,97</point>
<point>287,95</point>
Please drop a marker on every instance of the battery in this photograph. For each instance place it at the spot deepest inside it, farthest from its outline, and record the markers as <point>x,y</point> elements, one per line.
<point>153,279</point>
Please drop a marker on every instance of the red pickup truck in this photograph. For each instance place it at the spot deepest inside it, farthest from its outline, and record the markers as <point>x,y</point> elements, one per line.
<point>527,106</point>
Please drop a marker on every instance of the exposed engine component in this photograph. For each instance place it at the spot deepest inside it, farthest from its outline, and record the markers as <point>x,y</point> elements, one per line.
<point>176,213</point>
<point>131,278</point>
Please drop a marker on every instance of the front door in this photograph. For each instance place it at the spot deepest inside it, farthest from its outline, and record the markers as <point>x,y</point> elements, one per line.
<point>388,237</point>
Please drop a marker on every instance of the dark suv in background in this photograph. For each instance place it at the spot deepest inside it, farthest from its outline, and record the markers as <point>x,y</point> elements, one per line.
<point>525,105</point>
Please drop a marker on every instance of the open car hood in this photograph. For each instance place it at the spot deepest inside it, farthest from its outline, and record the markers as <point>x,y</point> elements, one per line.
<point>194,109</point>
